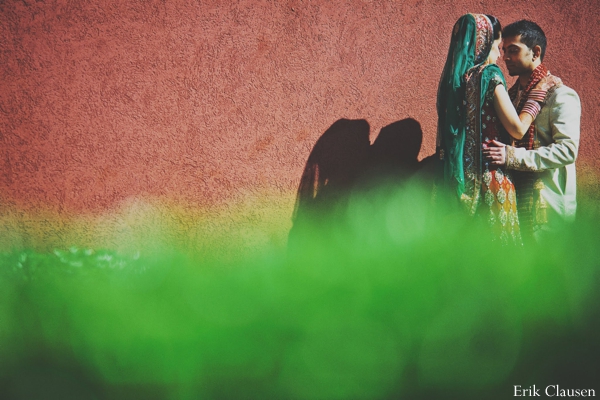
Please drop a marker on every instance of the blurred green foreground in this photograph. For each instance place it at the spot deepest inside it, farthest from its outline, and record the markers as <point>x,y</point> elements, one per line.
<point>381,298</point>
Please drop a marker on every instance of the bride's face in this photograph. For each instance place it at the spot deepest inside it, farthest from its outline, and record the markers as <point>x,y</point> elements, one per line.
<point>495,52</point>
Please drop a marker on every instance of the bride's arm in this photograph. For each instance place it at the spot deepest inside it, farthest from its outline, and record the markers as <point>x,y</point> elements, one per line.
<point>516,125</point>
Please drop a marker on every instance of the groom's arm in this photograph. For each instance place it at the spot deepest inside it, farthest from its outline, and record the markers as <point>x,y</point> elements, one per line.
<point>565,116</point>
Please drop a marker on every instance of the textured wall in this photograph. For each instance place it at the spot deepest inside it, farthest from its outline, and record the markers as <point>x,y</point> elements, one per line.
<point>211,105</point>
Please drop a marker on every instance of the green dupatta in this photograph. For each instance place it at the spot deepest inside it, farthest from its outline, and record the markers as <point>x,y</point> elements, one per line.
<point>471,42</point>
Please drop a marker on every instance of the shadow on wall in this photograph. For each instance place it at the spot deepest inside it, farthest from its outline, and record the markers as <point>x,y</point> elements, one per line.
<point>343,161</point>
<point>393,155</point>
<point>337,160</point>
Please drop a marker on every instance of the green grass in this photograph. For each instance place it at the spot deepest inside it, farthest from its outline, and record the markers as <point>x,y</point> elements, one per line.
<point>379,298</point>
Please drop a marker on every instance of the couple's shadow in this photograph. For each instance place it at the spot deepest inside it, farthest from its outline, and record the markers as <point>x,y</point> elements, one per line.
<point>343,162</point>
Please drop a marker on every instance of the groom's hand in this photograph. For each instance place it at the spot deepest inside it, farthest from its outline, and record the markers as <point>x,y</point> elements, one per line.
<point>495,152</point>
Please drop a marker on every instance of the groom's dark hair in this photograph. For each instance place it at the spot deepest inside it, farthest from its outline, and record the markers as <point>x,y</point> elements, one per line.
<point>531,34</point>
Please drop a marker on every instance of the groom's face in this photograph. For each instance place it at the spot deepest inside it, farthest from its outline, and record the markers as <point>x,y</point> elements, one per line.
<point>517,56</point>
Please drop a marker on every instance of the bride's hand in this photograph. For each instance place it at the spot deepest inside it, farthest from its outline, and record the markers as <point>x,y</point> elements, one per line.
<point>547,82</point>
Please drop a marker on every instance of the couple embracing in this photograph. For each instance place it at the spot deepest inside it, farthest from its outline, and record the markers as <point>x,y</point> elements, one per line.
<point>508,154</point>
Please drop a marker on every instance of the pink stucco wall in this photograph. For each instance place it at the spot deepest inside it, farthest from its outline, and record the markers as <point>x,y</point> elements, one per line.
<point>202,103</point>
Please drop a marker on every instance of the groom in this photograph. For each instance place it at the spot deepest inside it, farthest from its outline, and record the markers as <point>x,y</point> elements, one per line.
<point>543,162</point>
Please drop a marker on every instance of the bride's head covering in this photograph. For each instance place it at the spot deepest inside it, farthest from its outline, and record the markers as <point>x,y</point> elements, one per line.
<point>484,38</point>
<point>470,46</point>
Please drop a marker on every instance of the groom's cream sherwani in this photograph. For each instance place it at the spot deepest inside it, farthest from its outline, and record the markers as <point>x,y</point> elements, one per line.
<point>557,130</point>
